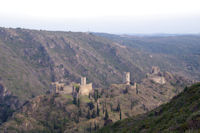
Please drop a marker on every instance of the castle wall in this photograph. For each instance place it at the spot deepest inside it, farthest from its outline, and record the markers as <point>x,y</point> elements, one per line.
<point>85,89</point>
<point>68,89</point>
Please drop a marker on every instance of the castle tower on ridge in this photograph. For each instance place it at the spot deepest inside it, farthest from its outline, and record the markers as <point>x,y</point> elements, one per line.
<point>126,78</point>
<point>83,80</point>
<point>85,88</point>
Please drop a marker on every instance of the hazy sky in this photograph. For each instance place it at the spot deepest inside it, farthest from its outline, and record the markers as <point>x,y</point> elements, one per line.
<point>112,16</point>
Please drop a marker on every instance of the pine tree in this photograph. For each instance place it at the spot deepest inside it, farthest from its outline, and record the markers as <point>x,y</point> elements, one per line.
<point>91,105</point>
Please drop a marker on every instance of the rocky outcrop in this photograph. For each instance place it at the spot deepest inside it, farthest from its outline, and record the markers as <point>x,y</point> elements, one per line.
<point>156,76</point>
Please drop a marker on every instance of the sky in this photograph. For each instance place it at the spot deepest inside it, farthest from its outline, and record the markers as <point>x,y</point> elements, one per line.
<point>110,16</point>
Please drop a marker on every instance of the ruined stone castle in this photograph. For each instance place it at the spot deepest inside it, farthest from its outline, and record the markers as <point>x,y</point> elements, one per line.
<point>127,80</point>
<point>83,87</point>
<point>156,76</point>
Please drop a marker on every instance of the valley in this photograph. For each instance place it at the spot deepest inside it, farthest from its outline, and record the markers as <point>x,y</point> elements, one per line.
<point>40,74</point>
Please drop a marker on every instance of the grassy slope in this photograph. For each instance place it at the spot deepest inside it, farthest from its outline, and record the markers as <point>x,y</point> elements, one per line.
<point>181,114</point>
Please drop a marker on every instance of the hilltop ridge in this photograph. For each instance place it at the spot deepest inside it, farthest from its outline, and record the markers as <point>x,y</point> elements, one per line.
<point>70,112</point>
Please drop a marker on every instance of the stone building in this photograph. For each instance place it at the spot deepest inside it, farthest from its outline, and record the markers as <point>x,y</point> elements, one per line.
<point>156,75</point>
<point>85,88</point>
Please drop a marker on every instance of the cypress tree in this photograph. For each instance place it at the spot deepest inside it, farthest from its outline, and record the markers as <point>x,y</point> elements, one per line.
<point>120,115</point>
<point>106,115</point>
<point>93,114</point>
<point>88,115</point>
<point>74,100</point>
<point>98,111</point>
<point>78,103</point>
<point>118,108</point>
<point>80,112</point>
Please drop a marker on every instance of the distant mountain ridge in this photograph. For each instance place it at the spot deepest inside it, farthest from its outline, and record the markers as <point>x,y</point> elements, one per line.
<point>181,53</point>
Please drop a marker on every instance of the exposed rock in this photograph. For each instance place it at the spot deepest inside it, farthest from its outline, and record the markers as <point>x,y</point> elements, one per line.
<point>155,70</point>
<point>159,80</point>
<point>156,76</point>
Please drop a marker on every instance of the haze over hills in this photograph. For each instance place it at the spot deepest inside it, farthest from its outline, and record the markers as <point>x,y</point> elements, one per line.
<point>31,60</point>
<point>180,52</point>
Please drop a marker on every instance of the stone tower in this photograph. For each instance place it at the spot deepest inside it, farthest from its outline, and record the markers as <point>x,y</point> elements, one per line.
<point>85,88</point>
<point>83,80</point>
<point>126,78</point>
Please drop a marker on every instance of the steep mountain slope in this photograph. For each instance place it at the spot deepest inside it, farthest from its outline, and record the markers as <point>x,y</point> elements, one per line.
<point>8,104</point>
<point>181,114</point>
<point>64,113</point>
<point>49,113</point>
<point>30,60</point>
<point>146,95</point>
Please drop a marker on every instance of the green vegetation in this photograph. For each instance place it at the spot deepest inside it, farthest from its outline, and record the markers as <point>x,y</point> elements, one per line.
<point>31,60</point>
<point>181,114</point>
